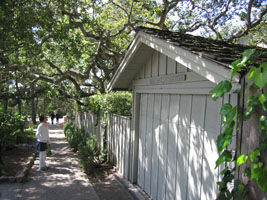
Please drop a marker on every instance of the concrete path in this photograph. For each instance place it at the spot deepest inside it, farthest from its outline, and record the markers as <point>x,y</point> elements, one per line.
<point>64,179</point>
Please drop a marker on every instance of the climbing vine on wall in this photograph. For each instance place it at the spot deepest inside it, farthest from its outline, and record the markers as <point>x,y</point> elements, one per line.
<point>256,171</point>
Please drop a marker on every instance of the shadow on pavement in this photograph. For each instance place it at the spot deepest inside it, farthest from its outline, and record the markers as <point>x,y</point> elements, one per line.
<point>63,180</point>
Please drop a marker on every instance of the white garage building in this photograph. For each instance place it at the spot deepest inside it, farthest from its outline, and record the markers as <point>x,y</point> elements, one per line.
<point>175,123</point>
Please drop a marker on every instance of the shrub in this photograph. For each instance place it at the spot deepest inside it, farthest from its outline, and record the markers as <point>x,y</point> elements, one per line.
<point>87,151</point>
<point>115,102</point>
<point>74,136</point>
<point>11,127</point>
<point>26,137</point>
<point>88,148</point>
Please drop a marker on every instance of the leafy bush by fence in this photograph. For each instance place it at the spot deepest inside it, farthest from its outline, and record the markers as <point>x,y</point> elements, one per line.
<point>119,103</point>
<point>88,149</point>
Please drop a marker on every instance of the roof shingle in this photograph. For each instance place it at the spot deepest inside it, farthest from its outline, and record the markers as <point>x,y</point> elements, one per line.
<point>218,51</point>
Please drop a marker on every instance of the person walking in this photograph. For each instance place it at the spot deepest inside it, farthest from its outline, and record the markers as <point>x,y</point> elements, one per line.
<point>42,135</point>
<point>57,117</point>
<point>52,115</point>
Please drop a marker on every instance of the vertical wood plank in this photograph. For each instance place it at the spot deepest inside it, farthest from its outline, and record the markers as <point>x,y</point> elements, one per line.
<point>142,73</point>
<point>210,153</point>
<point>142,132</point>
<point>116,141</point>
<point>149,120</point>
<point>127,149</point>
<point>108,138</point>
<point>155,146</point>
<point>183,141</point>
<point>181,68</point>
<point>135,137</point>
<point>172,146</point>
<point>162,64</point>
<point>119,143</point>
<point>155,64</point>
<point>122,144</point>
<point>171,66</point>
<point>148,69</point>
<point>163,146</point>
<point>196,146</point>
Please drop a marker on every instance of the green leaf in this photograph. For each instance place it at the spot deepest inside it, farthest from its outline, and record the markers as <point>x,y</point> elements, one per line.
<point>262,183</point>
<point>261,80</point>
<point>242,159</point>
<point>226,156</point>
<point>225,109</point>
<point>253,155</point>
<point>263,123</point>
<point>253,101</point>
<point>236,65</point>
<point>239,188</point>
<point>222,185</point>
<point>247,58</point>
<point>263,137</point>
<point>225,138</point>
<point>248,113</point>
<point>252,72</point>
<point>226,170</point>
<point>263,65</point>
<point>263,98</point>
<point>247,54</point>
<point>229,113</point>
<point>255,173</point>
<point>222,88</point>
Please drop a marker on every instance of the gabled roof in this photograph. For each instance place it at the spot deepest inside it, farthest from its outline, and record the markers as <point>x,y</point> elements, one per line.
<point>210,58</point>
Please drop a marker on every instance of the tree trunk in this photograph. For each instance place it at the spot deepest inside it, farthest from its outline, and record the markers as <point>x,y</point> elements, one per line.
<point>33,106</point>
<point>19,107</point>
<point>5,104</point>
<point>249,140</point>
<point>18,99</point>
<point>44,106</point>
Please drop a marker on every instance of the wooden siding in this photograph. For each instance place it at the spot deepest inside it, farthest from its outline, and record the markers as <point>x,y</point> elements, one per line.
<point>170,77</point>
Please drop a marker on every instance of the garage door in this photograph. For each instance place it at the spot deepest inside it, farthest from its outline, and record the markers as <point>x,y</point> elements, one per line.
<point>177,146</point>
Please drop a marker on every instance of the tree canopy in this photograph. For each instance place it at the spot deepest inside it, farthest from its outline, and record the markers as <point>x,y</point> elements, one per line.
<point>72,47</point>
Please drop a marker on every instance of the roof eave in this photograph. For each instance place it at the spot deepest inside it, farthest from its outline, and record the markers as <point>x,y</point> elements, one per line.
<point>210,69</point>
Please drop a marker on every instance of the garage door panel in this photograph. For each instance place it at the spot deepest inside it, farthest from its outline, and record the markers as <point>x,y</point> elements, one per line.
<point>142,140</point>
<point>155,146</point>
<point>182,162</point>
<point>163,138</point>
<point>149,121</point>
<point>172,146</point>
<point>196,146</point>
<point>198,111</point>
<point>185,110</point>
<point>183,146</point>
<point>177,149</point>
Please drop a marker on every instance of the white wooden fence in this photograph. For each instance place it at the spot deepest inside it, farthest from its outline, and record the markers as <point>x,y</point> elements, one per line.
<point>118,143</point>
<point>118,137</point>
<point>87,121</point>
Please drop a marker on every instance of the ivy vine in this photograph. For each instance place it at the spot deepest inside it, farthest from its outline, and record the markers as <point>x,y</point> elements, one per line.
<point>256,171</point>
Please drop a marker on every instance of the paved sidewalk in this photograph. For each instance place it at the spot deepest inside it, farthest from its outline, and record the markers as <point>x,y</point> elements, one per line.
<point>64,179</point>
